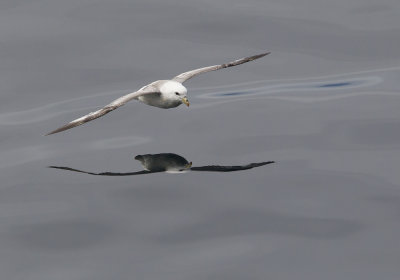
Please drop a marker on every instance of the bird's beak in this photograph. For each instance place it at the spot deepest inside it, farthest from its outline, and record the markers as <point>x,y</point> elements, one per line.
<point>187,166</point>
<point>185,100</point>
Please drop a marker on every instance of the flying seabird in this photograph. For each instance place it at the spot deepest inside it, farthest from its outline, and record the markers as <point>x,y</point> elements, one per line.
<point>163,93</point>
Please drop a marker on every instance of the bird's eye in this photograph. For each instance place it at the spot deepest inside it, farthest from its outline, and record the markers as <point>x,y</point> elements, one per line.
<point>177,93</point>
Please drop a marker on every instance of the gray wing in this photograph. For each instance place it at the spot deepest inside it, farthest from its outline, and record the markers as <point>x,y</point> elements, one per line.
<point>108,108</point>
<point>105,173</point>
<point>187,75</point>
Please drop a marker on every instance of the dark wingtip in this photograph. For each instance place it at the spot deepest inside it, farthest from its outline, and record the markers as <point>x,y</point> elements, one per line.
<point>249,58</point>
<point>56,131</point>
<point>261,55</point>
<point>53,132</point>
<point>65,127</point>
<point>258,164</point>
<point>59,167</point>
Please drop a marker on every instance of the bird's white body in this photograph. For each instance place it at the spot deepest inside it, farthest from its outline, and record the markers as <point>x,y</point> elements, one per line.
<point>170,95</point>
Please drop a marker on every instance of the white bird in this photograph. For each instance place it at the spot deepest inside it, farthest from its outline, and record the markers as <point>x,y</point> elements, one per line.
<point>163,93</point>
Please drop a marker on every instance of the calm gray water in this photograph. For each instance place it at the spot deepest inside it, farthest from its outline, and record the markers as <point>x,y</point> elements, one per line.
<point>324,106</point>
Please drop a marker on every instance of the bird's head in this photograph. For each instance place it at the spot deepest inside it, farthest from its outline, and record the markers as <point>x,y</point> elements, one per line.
<point>175,91</point>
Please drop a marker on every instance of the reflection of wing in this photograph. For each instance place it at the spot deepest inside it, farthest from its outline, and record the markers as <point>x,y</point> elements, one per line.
<point>105,173</point>
<point>108,108</point>
<point>219,168</point>
<point>216,168</point>
<point>187,75</point>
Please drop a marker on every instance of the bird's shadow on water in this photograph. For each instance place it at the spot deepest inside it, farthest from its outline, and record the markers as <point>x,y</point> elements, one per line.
<point>171,163</point>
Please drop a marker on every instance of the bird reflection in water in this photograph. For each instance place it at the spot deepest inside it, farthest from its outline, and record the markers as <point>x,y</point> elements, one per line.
<point>170,163</point>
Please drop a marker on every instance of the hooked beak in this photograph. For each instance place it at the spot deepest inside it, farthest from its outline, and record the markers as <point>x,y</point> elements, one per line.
<point>185,101</point>
<point>188,165</point>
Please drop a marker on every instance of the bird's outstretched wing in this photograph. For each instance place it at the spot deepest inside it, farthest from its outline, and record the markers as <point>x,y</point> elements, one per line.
<point>221,168</point>
<point>108,108</point>
<point>105,173</point>
<point>187,75</point>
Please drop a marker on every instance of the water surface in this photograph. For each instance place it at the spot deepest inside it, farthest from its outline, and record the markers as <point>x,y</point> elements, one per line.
<point>324,106</point>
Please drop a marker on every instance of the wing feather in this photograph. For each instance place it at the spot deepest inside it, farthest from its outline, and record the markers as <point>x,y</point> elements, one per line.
<point>190,74</point>
<point>106,109</point>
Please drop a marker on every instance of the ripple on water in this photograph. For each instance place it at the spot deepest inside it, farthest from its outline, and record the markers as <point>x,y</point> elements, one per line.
<point>311,89</point>
<point>119,142</point>
<point>303,90</point>
<point>317,89</point>
<point>51,110</point>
